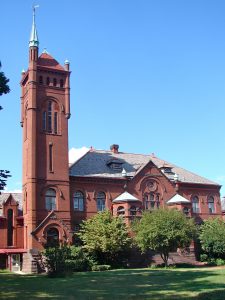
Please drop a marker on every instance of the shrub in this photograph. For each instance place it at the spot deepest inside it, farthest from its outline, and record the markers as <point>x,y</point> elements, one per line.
<point>54,260</point>
<point>212,238</point>
<point>203,257</point>
<point>220,262</point>
<point>101,268</point>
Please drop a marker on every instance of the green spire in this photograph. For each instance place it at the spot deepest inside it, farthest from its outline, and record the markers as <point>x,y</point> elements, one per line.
<point>34,36</point>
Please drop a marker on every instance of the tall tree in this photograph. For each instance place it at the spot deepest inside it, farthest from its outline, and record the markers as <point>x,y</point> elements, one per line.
<point>4,89</point>
<point>106,237</point>
<point>163,230</point>
<point>212,237</point>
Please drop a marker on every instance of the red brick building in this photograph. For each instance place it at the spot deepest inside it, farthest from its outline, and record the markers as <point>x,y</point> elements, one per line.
<point>56,197</point>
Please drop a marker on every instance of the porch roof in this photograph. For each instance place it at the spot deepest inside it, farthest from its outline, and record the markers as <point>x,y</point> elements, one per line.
<point>12,251</point>
<point>177,199</point>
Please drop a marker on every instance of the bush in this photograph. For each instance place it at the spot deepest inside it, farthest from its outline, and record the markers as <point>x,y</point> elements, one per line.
<point>54,260</point>
<point>212,238</point>
<point>101,268</point>
<point>220,262</point>
<point>203,257</point>
<point>80,260</point>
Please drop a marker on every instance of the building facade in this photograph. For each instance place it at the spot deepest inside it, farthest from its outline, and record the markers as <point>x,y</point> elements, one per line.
<point>56,197</point>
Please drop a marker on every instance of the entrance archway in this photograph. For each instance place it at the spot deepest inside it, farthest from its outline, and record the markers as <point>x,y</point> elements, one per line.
<point>52,237</point>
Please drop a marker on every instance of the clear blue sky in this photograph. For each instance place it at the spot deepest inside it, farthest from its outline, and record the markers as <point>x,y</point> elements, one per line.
<point>148,75</point>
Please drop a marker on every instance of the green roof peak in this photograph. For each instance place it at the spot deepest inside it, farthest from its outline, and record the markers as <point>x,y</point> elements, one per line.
<point>34,36</point>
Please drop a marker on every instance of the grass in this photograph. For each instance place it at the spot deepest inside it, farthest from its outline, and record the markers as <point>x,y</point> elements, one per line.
<point>198,284</point>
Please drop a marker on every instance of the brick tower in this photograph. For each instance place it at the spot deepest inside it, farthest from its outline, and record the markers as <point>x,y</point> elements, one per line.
<point>45,110</point>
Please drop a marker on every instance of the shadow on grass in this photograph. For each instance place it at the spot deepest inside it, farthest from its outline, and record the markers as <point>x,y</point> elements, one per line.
<point>127,284</point>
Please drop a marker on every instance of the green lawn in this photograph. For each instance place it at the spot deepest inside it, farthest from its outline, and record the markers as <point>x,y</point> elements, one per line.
<point>200,284</point>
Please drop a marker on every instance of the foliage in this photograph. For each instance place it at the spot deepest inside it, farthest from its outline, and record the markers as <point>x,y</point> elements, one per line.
<point>212,238</point>
<point>4,174</point>
<point>101,268</point>
<point>4,88</point>
<point>54,259</point>
<point>163,230</point>
<point>105,238</point>
<point>79,260</point>
<point>204,257</point>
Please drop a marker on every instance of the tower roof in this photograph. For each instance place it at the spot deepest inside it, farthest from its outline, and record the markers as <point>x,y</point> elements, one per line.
<point>47,61</point>
<point>34,42</point>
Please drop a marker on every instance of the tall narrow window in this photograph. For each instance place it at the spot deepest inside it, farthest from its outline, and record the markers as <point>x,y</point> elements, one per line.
<point>44,123</point>
<point>47,81</point>
<point>10,227</point>
<point>50,157</point>
<point>152,201</point>
<point>100,201</point>
<point>195,204</point>
<point>40,80</point>
<point>61,83</point>
<point>211,205</point>
<point>54,81</point>
<point>55,122</point>
<point>49,116</point>
<point>50,199</point>
<point>78,201</point>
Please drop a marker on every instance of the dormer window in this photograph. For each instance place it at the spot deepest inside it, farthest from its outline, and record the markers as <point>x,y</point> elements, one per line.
<point>167,170</point>
<point>115,164</point>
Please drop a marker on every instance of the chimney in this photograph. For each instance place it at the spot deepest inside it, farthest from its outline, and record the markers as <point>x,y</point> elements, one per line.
<point>114,148</point>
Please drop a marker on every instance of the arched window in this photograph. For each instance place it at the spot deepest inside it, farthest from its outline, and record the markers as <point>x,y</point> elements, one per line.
<point>10,227</point>
<point>50,199</point>
<point>211,205</point>
<point>78,201</point>
<point>133,210</point>
<point>151,201</point>
<point>120,211</point>
<point>54,82</point>
<point>52,237</point>
<point>50,122</point>
<point>195,204</point>
<point>61,83</point>
<point>100,201</point>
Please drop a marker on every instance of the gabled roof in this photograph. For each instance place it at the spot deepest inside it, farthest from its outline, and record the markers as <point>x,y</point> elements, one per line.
<point>125,197</point>
<point>47,61</point>
<point>94,164</point>
<point>16,196</point>
<point>177,199</point>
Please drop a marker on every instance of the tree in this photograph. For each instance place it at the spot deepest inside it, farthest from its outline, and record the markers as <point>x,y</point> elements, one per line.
<point>212,237</point>
<point>4,89</point>
<point>163,230</point>
<point>106,237</point>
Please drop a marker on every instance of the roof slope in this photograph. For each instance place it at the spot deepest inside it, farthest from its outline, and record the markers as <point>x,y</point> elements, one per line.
<point>16,196</point>
<point>94,164</point>
<point>46,60</point>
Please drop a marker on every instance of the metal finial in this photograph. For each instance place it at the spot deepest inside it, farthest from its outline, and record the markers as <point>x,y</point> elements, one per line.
<point>34,36</point>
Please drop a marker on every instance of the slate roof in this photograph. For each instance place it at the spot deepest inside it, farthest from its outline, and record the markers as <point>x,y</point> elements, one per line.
<point>17,196</point>
<point>94,164</point>
<point>46,60</point>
